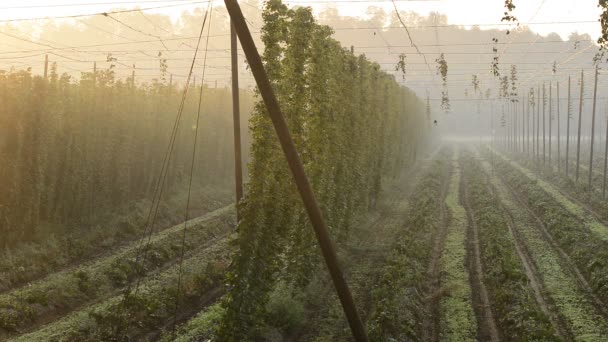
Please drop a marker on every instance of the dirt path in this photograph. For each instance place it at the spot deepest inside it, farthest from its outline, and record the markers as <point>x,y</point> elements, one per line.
<point>486,325</point>
<point>431,324</point>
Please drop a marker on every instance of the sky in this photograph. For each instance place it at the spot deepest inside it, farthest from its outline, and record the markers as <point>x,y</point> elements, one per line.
<point>568,15</point>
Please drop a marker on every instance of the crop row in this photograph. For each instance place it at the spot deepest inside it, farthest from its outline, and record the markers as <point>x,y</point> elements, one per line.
<point>579,190</point>
<point>400,303</point>
<point>572,304</point>
<point>518,315</point>
<point>34,260</point>
<point>582,241</point>
<point>571,207</point>
<point>148,308</point>
<point>62,292</point>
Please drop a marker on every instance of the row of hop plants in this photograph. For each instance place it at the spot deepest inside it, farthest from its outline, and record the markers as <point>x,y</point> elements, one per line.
<point>352,124</point>
<point>588,252</point>
<point>77,153</point>
<point>518,316</point>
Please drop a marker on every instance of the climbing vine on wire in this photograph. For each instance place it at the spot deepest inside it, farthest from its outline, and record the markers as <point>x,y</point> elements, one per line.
<point>401,65</point>
<point>352,124</point>
<point>513,80</point>
<point>442,70</point>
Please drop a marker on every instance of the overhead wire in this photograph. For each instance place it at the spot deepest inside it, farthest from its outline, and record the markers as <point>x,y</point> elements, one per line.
<point>186,213</point>
<point>71,16</point>
<point>159,187</point>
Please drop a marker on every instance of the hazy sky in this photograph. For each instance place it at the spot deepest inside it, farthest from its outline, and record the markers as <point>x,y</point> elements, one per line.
<point>466,12</point>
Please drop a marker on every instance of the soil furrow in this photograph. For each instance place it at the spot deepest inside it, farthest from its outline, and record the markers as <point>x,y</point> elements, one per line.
<point>487,329</point>
<point>530,269</point>
<point>564,257</point>
<point>431,323</point>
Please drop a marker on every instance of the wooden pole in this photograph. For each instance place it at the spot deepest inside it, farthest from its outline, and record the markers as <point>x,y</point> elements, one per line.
<point>528,126</point>
<point>94,74</point>
<point>538,130</point>
<point>593,128</point>
<point>524,118</point>
<point>559,151</point>
<point>550,119</point>
<point>568,129</point>
<point>605,160</point>
<point>46,66</point>
<point>236,118</point>
<point>578,139</point>
<point>534,142</point>
<point>297,169</point>
<point>544,120</point>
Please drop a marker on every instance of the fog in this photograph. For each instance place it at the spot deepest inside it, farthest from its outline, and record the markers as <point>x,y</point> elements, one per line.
<point>138,42</point>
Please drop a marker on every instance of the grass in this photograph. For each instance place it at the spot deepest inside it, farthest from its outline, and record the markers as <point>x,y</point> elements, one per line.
<point>458,322</point>
<point>145,311</point>
<point>200,328</point>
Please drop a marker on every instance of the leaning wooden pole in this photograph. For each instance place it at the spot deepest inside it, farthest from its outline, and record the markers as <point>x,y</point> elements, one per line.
<point>592,128</point>
<point>236,118</point>
<point>297,169</point>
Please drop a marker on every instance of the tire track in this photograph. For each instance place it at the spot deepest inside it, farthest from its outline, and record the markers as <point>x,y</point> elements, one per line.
<point>563,256</point>
<point>431,323</point>
<point>530,268</point>
<point>486,324</point>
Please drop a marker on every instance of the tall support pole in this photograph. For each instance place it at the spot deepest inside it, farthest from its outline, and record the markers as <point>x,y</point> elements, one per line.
<point>297,169</point>
<point>522,134</point>
<point>550,119</point>
<point>538,130</point>
<point>559,143</point>
<point>580,117</point>
<point>544,120</point>
<point>236,117</point>
<point>533,133</point>
<point>528,126</point>
<point>605,160</point>
<point>568,114</point>
<point>592,128</point>
<point>94,74</point>
<point>46,66</point>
